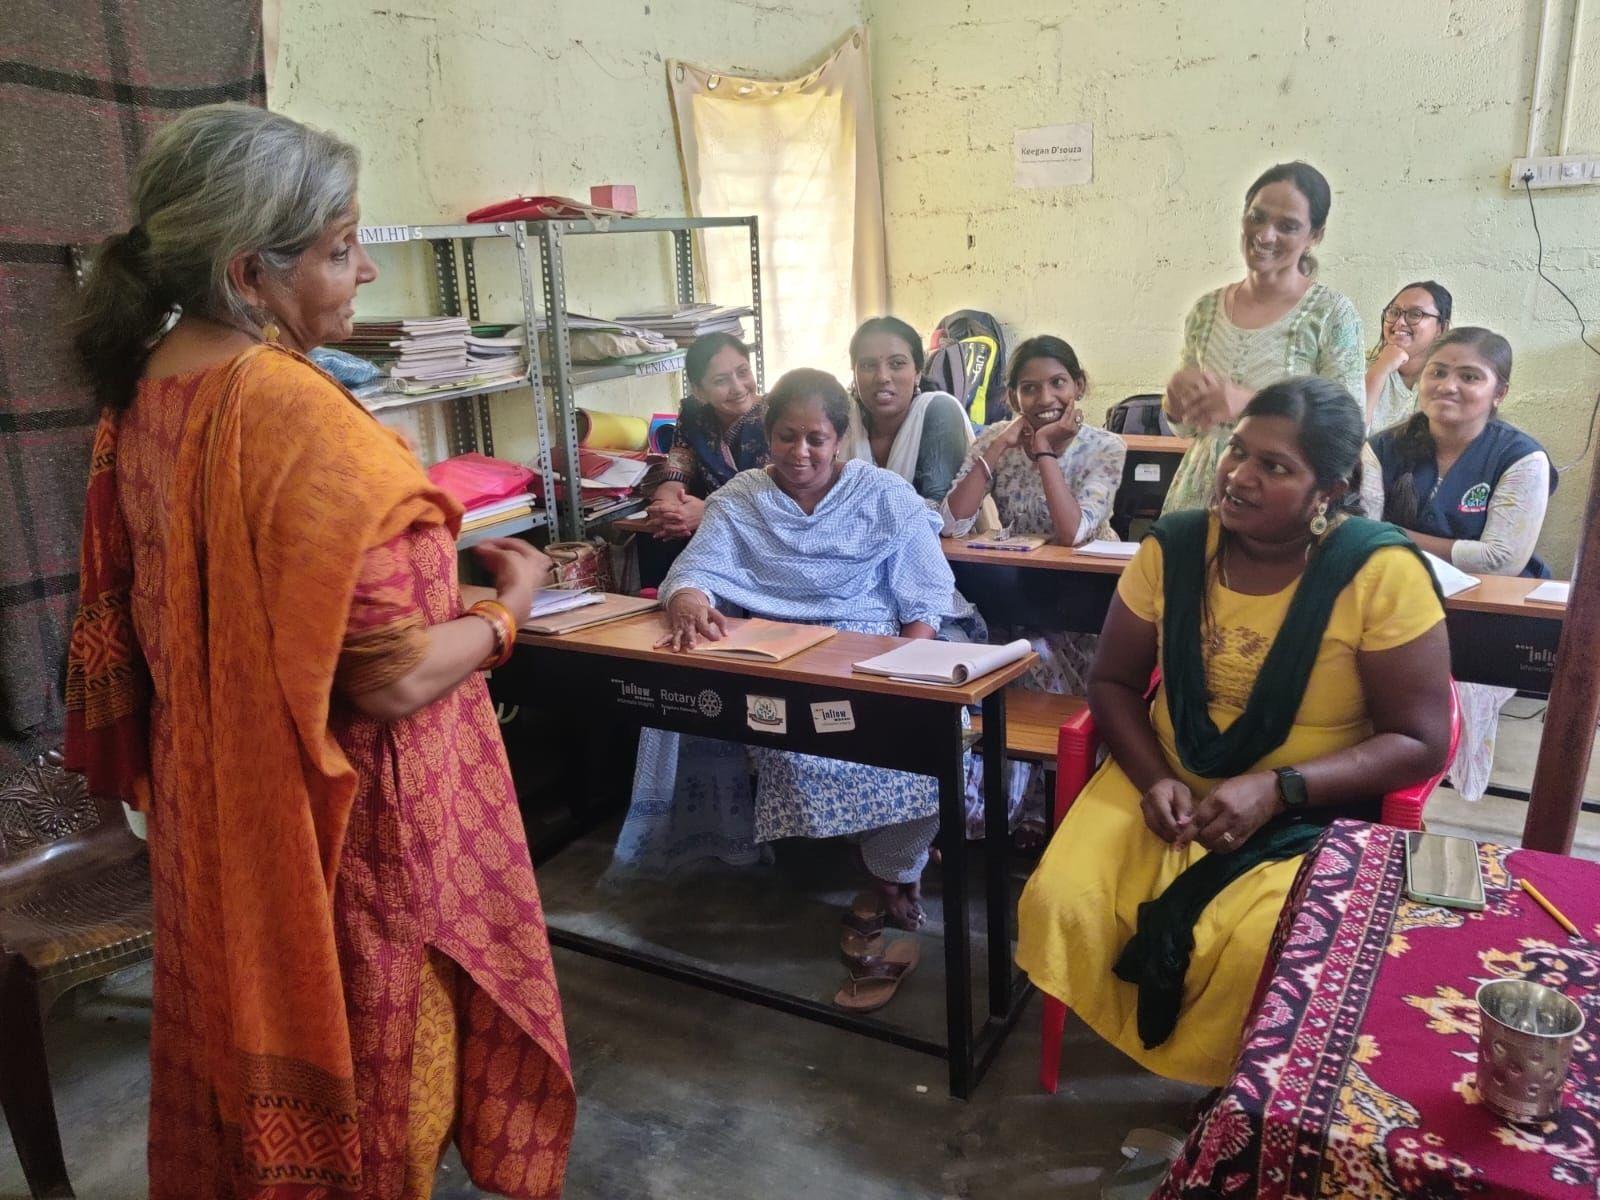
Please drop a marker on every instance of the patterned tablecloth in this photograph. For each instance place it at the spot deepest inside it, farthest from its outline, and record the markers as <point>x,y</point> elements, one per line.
<point>1356,1075</point>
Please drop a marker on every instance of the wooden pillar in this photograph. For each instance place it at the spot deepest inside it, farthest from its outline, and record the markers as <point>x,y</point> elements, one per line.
<point>1569,721</point>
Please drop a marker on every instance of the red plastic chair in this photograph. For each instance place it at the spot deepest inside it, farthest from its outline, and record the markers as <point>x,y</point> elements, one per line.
<point>1076,748</point>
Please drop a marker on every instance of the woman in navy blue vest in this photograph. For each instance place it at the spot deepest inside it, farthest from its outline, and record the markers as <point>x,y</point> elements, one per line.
<point>1465,485</point>
<point>1472,490</point>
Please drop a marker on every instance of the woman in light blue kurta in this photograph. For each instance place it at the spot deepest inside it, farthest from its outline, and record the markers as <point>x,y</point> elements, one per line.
<point>850,545</point>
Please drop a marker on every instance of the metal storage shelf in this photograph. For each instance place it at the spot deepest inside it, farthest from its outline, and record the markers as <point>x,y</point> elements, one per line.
<point>384,401</point>
<point>455,273</point>
<point>601,373</point>
<point>564,379</point>
<point>456,293</point>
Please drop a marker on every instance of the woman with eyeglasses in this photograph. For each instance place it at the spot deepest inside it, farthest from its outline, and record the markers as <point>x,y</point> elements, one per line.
<point>1468,487</point>
<point>1276,322</point>
<point>1412,321</point>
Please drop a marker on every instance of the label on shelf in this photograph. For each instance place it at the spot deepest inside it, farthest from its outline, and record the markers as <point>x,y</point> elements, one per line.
<point>377,235</point>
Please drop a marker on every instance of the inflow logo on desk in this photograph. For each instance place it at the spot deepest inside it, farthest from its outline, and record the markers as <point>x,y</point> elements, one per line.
<point>768,714</point>
<point>632,693</point>
<point>833,716</point>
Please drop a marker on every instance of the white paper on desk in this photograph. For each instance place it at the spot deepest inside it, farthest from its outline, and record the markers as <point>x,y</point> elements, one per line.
<point>1452,580</point>
<point>927,661</point>
<point>550,601</point>
<point>1108,549</point>
<point>1551,591</point>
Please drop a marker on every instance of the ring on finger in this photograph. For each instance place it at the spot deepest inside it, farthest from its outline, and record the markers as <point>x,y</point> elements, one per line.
<point>1226,839</point>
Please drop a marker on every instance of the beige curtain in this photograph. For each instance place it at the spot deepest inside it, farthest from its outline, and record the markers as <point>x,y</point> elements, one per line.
<point>802,156</point>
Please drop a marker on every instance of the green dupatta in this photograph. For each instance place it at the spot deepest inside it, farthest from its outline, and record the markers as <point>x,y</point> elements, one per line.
<point>1275,699</point>
<point>1156,958</point>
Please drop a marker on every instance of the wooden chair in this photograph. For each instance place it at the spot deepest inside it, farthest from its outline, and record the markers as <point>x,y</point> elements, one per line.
<point>1078,748</point>
<point>74,907</point>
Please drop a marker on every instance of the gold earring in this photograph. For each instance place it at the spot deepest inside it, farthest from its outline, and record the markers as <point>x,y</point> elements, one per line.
<point>1319,523</point>
<point>271,332</point>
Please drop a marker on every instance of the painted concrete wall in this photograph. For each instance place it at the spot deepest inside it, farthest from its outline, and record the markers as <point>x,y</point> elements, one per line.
<point>1413,111</point>
<point>456,103</point>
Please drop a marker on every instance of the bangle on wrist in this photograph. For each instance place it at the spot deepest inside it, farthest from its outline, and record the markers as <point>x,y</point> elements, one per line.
<point>988,471</point>
<point>504,626</point>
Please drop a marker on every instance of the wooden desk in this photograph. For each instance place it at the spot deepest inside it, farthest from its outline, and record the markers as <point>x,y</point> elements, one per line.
<point>903,726</point>
<point>1149,443</point>
<point>1033,723</point>
<point>1497,635</point>
<point>1049,589</point>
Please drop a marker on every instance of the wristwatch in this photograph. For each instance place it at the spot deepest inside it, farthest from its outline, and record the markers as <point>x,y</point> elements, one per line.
<point>1291,787</point>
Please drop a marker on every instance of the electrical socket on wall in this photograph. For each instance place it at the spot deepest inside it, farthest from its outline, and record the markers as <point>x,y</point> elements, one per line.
<point>1556,171</point>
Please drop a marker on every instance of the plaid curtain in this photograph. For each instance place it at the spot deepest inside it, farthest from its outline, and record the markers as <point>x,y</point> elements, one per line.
<point>83,84</point>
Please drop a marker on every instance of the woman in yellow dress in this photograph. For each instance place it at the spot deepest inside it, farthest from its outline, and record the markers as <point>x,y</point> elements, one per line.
<point>1305,672</point>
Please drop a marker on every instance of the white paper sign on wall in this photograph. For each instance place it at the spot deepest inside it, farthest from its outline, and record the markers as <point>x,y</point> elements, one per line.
<point>1052,156</point>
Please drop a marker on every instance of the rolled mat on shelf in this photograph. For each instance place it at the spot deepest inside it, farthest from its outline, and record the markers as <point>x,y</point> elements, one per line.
<point>611,431</point>
<point>662,428</point>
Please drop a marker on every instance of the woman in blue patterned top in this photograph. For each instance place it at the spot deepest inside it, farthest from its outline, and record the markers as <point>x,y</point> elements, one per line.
<point>844,544</point>
<point>719,433</point>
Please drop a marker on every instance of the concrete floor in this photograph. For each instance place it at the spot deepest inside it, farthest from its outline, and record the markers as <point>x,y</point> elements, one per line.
<point>687,1095</point>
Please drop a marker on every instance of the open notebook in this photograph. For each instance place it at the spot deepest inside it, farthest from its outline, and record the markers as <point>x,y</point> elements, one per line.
<point>954,663</point>
<point>768,641</point>
<point>1452,579</point>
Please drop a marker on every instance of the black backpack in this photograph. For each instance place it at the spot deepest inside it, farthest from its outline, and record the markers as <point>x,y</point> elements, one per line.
<point>969,362</point>
<point>1139,414</point>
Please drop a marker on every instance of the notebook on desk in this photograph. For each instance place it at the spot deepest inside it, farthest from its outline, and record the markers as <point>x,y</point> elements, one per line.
<point>765,641</point>
<point>1102,549</point>
<point>611,607</point>
<point>1551,591</point>
<point>927,661</point>
<point>1001,540</point>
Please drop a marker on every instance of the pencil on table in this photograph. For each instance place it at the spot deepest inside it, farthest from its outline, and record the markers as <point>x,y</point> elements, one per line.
<point>1555,912</point>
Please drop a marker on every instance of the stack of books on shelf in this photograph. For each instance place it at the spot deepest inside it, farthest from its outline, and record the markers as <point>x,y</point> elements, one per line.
<point>430,354</point>
<point>495,511</point>
<point>593,341</point>
<point>605,483</point>
<point>491,490</point>
<point>683,323</point>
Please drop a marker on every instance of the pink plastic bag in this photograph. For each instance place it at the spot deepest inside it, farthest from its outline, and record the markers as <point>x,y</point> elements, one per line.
<point>476,479</point>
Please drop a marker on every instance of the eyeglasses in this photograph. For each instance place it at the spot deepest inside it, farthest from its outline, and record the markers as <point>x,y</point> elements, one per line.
<point>1411,316</point>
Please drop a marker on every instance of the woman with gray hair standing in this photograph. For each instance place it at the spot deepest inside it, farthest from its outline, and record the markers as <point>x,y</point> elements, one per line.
<point>271,658</point>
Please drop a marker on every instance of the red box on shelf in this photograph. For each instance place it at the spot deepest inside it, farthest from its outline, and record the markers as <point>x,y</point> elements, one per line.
<point>620,196</point>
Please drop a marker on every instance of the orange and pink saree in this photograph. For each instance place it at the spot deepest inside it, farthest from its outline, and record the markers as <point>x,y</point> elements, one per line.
<point>351,960</point>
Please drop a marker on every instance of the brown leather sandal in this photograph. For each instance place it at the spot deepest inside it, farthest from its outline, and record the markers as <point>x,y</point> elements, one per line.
<point>862,932</point>
<point>875,979</point>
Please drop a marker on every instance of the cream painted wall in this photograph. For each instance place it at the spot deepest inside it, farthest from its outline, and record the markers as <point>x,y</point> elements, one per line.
<point>1414,112</point>
<point>456,103</point>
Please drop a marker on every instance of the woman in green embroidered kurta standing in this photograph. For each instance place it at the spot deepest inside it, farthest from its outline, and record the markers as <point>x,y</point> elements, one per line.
<point>1314,641</point>
<point>1276,322</point>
